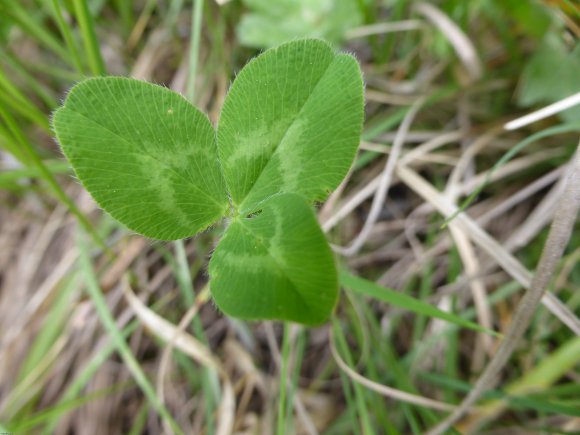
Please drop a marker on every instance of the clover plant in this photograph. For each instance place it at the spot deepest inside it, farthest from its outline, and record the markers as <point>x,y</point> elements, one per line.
<point>287,135</point>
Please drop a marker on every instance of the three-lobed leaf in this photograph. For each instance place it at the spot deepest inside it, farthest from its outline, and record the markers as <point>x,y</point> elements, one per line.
<point>287,135</point>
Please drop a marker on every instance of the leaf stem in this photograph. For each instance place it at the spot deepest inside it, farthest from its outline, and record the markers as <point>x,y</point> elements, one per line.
<point>558,237</point>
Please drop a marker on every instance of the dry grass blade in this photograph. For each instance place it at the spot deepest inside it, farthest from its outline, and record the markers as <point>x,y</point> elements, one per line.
<point>353,203</point>
<point>538,218</point>
<point>552,109</point>
<point>510,168</point>
<point>430,145</point>
<point>392,393</point>
<point>472,271</point>
<point>30,385</point>
<point>426,158</point>
<point>506,260</point>
<point>463,46</point>
<point>192,347</point>
<point>467,251</point>
<point>377,29</point>
<point>40,296</point>
<point>419,153</point>
<point>167,351</point>
<point>385,181</point>
<point>560,233</point>
<point>133,248</point>
<point>521,195</point>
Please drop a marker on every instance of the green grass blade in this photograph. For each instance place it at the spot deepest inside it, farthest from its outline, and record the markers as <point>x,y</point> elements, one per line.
<point>54,412</point>
<point>556,365</point>
<point>52,328</point>
<point>385,355</point>
<point>140,421</point>
<point>32,156</point>
<point>66,32</point>
<point>13,10</point>
<point>87,373</point>
<point>209,377</point>
<point>116,336</point>
<point>125,9</point>
<point>42,90</point>
<point>368,288</point>
<point>194,48</point>
<point>281,426</point>
<point>15,175</point>
<point>21,105</point>
<point>9,144</point>
<point>297,359</point>
<point>383,124</point>
<point>86,24</point>
<point>559,129</point>
<point>501,398</point>
<point>174,10</point>
<point>359,391</point>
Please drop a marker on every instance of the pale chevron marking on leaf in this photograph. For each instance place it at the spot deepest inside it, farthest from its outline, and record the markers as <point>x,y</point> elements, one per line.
<point>311,101</point>
<point>146,155</point>
<point>254,103</point>
<point>261,269</point>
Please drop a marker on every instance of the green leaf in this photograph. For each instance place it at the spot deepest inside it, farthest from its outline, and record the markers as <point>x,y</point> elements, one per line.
<point>288,133</point>
<point>145,154</point>
<point>275,264</point>
<point>551,75</point>
<point>271,23</point>
<point>534,18</point>
<point>291,122</point>
<point>369,288</point>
